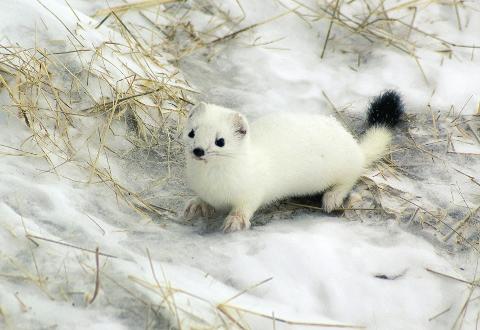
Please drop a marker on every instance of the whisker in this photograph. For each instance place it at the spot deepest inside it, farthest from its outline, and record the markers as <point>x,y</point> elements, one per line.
<point>228,155</point>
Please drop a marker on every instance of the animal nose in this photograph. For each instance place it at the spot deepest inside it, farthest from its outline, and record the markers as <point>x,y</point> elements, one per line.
<point>199,152</point>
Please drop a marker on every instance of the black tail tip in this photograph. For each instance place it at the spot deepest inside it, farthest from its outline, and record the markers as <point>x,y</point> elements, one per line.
<point>385,110</point>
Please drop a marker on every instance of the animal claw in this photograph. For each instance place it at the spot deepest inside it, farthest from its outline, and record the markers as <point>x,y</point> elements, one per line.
<point>197,207</point>
<point>331,201</point>
<point>235,222</point>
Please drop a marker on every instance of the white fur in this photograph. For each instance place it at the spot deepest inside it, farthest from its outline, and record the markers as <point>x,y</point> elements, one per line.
<point>280,155</point>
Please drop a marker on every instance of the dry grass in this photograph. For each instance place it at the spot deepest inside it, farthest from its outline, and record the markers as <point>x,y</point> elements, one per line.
<point>124,89</point>
<point>119,89</point>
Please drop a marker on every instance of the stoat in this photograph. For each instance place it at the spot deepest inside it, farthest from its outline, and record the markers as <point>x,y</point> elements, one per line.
<point>237,166</point>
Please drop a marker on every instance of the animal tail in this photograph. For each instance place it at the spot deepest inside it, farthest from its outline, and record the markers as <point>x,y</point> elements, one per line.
<point>384,113</point>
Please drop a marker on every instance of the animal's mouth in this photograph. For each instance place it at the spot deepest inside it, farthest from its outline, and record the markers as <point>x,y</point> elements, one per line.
<point>202,158</point>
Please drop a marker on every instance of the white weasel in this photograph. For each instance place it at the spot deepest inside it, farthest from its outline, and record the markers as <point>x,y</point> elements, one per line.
<point>239,167</point>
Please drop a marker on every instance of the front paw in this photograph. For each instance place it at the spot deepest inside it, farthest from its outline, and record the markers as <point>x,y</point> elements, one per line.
<point>196,208</point>
<point>235,222</point>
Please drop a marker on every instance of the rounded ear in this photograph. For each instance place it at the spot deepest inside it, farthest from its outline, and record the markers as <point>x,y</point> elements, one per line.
<point>198,108</point>
<point>240,124</point>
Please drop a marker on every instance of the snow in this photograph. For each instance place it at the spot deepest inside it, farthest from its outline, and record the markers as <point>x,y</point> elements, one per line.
<point>363,269</point>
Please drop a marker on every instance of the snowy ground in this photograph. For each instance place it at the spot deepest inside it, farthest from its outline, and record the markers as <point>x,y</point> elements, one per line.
<point>404,254</point>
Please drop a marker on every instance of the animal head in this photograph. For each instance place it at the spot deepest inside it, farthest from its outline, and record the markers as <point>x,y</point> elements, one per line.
<point>214,132</point>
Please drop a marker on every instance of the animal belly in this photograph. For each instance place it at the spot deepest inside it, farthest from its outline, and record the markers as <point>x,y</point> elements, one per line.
<point>302,187</point>
<point>309,176</point>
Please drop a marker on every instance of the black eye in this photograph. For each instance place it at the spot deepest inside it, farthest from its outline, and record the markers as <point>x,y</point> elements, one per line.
<point>191,134</point>
<point>220,142</point>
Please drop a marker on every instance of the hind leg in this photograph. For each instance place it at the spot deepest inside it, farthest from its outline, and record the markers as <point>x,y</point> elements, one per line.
<point>334,197</point>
